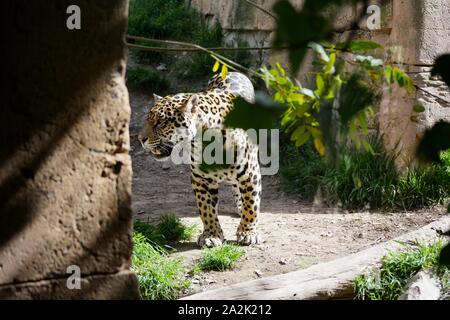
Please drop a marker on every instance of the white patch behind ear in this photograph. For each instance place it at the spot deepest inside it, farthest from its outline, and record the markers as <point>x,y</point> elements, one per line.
<point>156,98</point>
<point>191,103</point>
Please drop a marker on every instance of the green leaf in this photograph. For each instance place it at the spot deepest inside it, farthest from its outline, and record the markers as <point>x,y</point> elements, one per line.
<point>353,134</point>
<point>298,133</point>
<point>388,74</point>
<point>362,122</point>
<point>281,69</point>
<point>418,108</point>
<point>300,109</point>
<point>329,68</point>
<point>287,118</point>
<point>320,84</point>
<point>368,147</point>
<point>371,61</point>
<point>357,181</point>
<point>259,115</point>
<point>296,98</point>
<point>320,51</point>
<point>315,132</point>
<point>302,139</point>
<point>403,80</point>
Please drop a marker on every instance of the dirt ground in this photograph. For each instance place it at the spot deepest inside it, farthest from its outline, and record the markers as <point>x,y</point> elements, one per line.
<point>295,234</point>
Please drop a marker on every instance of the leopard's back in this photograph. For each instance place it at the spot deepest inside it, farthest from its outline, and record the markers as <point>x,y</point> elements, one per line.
<point>236,83</point>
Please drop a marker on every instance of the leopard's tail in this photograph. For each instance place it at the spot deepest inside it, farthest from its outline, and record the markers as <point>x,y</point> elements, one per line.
<point>235,83</point>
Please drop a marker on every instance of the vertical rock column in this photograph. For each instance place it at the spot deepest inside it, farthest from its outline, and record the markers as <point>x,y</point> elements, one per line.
<point>65,172</point>
<point>420,33</point>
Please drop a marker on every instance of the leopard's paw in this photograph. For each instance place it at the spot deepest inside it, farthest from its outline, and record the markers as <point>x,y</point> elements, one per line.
<point>209,240</point>
<point>247,238</point>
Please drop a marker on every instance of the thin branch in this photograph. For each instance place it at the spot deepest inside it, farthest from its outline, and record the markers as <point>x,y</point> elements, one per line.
<point>200,48</point>
<point>164,49</point>
<point>431,94</point>
<point>261,8</point>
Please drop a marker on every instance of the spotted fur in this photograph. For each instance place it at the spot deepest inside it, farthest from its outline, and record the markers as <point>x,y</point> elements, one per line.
<point>177,118</point>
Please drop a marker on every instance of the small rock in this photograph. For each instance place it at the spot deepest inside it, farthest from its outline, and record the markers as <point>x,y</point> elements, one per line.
<point>209,281</point>
<point>161,67</point>
<point>195,281</point>
<point>326,234</point>
<point>284,261</point>
<point>258,273</point>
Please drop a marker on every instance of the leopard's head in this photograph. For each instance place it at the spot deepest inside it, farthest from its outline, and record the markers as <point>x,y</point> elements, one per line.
<point>170,121</point>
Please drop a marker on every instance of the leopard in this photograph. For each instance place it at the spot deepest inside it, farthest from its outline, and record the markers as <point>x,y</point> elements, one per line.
<point>177,118</point>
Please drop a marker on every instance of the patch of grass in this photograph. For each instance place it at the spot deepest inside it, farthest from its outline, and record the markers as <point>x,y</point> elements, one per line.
<point>361,179</point>
<point>160,276</point>
<point>169,228</point>
<point>150,232</point>
<point>301,169</point>
<point>172,229</point>
<point>160,19</point>
<point>141,78</point>
<point>396,269</point>
<point>220,258</point>
<point>176,20</point>
<point>424,187</point>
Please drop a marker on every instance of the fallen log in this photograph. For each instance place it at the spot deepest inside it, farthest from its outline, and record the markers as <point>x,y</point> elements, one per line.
<point>330,280</point>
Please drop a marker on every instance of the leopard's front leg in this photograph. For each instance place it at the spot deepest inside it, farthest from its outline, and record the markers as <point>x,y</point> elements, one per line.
<point>206,195</point>
<point>250,189</point>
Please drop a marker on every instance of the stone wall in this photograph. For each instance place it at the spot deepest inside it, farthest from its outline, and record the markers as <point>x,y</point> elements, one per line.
<point>65,172</point>
<point>420,33</point>
<point>413,32</point>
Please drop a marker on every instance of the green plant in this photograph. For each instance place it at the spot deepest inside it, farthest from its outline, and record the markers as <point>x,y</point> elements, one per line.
<point>336,109</point>
<point>424,186</point>
<point>361,179</point>
<point>172,229</point>
<point>169,228</point>
<point>160,276</point>
<point>146,79</point>
<point>220,258</point>
<point>301,169</point>
<point>151,232</point>
<point>198,63</point>
<point>396,269</point>
<point>161,19</point>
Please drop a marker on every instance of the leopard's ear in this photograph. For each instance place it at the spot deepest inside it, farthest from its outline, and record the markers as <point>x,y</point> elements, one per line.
<point>191,104</point>
<point>156,98</point>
